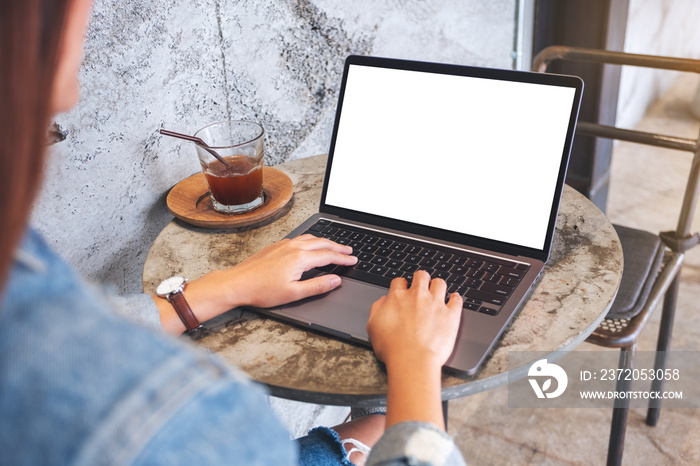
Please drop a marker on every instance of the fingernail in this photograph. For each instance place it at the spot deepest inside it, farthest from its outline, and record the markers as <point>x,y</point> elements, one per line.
<point>335,281</point>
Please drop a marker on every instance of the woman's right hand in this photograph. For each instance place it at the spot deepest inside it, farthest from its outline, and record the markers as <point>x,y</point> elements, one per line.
<point>414,322</point>
<point>413,331</point>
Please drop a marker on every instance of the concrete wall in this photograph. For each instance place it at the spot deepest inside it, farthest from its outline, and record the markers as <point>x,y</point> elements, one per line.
<point>655,27</point>
<point>181,65</point>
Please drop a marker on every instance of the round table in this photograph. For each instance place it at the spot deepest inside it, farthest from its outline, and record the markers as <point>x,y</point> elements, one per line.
<point>576,290</point>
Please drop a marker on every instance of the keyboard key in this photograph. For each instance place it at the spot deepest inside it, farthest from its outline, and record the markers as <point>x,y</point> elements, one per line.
<point>511,272</point>
<point>427,253</point>
<point>383,252</point>
<point>393,274</point>
<point>508,281</point>
<point>456,279</point>
<point>475,273</point>
<point>394,264</point>
<point>498,289</point>
<point>488,310</point>
<point>444,266</point>
<point>369,277</point>
<point>364,256</point>
<point>398,255</point>
<point>381,260</point>
<point>458,260</point>
<point>522,266</point>
<point>470,306</point>
<point>459,269</point>
<point>412,259</point>
<point>357,237</point>
<point>343,241</point>
<point>490,267</point>
<point>362,266</point>
<point>486,296</point>
<point>501,262</point>
<point>317,227</point>
<point>475,263</point>
<point>343,233</point>
<point>472,283</point>
<point>440,274</point>
<point>378,270</point>
<point>331,230</point>
<point>384,243</point>
<point>370,248</point>
<point>443,256</point>
<point>370,239</point>
<point>428,262</point>
<point>398,246</point>
<point>409,267</point>
<point>492,277</point>
<point>314,233</point>
<point>412,249</point>
<point>356,246</point>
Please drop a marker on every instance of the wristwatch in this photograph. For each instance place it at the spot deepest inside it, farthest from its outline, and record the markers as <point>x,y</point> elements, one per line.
<point>173,289</point>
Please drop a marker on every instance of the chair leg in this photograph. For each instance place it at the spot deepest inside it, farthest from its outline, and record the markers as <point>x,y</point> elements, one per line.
<point>444,412</point>
<point>618,427</point>
<point>662,346</point>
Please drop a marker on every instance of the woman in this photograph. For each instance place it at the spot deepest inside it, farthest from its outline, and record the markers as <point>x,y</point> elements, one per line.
<point>79,384</point>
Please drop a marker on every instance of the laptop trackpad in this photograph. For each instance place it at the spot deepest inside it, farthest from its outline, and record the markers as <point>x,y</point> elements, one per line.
<point>345,309</point>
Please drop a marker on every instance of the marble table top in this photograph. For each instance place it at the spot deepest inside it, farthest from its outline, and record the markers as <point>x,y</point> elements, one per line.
<point>575,292</point>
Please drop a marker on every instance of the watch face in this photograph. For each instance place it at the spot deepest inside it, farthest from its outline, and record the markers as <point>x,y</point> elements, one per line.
<point>170,285</point>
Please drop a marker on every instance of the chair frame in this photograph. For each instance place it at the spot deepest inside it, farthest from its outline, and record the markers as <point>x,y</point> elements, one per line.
<point>613,333</point>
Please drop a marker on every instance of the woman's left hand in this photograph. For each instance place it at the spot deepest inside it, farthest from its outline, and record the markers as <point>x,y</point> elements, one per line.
<point>268,278</point>
<point>272,276</point>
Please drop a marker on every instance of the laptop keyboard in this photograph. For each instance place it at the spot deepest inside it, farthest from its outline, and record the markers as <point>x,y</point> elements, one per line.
<point>484,282</point>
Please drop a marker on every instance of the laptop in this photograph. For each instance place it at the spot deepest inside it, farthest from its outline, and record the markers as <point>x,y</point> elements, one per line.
<point>452,169</point>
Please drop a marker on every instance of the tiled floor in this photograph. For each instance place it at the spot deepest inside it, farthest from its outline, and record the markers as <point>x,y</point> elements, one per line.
<point>646,188</point>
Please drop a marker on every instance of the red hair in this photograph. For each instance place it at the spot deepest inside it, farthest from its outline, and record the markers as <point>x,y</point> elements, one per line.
<point>30,43</point>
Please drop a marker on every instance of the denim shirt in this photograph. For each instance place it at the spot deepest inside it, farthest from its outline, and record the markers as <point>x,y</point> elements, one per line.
<point>80,384</point>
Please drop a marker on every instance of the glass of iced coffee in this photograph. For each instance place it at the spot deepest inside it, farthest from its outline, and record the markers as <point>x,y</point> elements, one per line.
<point>235,181</point>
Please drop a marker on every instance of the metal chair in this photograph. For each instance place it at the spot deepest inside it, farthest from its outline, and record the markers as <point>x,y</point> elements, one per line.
<point>652,262</point>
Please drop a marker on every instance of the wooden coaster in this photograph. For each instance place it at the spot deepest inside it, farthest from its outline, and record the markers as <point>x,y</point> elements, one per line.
<point>190,201</point>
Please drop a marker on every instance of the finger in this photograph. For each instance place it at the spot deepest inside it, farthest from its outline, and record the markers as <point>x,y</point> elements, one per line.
<point>325,257</point>
<point>312,243</point>
<point>399,283</point>
<point>421,279</point>
<point>380,301</point>
<point>438,287</point>
<point>315,286</point>
<point>455,302</point>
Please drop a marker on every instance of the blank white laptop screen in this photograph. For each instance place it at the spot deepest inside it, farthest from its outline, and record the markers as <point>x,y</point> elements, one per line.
<point>470,155</point>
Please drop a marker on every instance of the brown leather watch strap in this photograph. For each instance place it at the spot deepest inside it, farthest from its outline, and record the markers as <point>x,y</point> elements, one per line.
<point>183,310</point>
